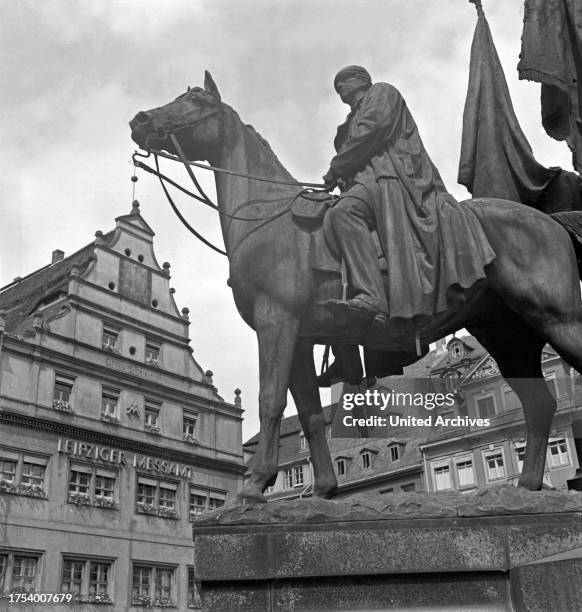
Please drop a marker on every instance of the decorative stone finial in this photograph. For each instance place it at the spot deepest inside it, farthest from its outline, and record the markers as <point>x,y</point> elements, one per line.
<point>208,377</point>
<point>74,271</point>
<point>172,291</point>
<point>37,322</point>
<point>98,237</point>
<point>185,313</point>
<point>166,267</point>
<point>135,208</point>
<point>237,399</point>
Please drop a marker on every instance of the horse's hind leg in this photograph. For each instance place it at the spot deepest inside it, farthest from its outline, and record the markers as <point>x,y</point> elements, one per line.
<point>517,350</point>
<point>276,331</point>
<point>306,395</point>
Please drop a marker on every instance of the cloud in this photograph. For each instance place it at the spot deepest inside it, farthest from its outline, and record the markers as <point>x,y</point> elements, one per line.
<point>74,73</point>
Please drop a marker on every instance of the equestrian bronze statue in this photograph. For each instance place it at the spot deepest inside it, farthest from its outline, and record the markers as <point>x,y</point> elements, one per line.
<point>518,289</point>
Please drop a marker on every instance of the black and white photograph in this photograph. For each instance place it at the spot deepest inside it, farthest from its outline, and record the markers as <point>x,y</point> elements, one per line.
<point>290,305</point>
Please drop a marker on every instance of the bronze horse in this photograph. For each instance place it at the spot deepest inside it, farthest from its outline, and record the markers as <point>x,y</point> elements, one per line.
<point>531,295</point>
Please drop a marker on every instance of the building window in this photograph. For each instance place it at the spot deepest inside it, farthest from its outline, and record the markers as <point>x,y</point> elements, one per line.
<point>465,473</point>
<point>340,467</point>
<point>18,571</point>
<point>109,405</point>
<point>558,452</point>
<point>190,426</point>
<point>92,486</point>
<point>520,457</point>
<point>450,379</point>
<point>110,340</point>
<point>202,500</point>
<point>194,600</point>
<point>394,452</point>
<point>511,400</point>
<point>366,460</point>
<point>407,488</point>
<point>157,497</point>
<point>152,416</point>
<point>152,354</point>
<point>63,392</point>
<point>442,477</point>
<point>456,351</point>
<point>552,383</point>
<point>89,580</point>
<point>22,474</point>
<point>485,406</point>
<point>297,475</point>
<point>153,585</point>
<point>288,479</point>
<point>302,442</point>
<point>495,465</point>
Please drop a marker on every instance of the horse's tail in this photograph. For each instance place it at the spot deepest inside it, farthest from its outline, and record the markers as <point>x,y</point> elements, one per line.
<point>571,221</point>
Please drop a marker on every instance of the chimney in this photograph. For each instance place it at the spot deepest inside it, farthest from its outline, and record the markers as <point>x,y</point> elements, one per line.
<point>58,255</point>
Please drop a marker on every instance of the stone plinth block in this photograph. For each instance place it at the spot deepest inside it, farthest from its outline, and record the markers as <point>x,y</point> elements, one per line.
<point>497,549</point>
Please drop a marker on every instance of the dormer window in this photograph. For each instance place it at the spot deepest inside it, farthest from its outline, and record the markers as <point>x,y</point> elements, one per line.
<point>456,351</point>
<point>366,457</point>
<point>302,442</point>
<point>395,451</point>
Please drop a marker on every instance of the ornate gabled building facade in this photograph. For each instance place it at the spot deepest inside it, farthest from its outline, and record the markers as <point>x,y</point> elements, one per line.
<point>389,459</point>
<point>112,436</point>
<point>474,456</point>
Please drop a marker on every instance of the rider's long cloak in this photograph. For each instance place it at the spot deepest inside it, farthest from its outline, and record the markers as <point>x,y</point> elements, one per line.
<point>434,246</point>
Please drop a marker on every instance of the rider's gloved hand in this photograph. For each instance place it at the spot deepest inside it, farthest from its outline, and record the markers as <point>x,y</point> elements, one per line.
<point>329,180</point>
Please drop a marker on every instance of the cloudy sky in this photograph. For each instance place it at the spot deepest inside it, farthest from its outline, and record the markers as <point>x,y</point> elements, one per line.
<point>74,72</point>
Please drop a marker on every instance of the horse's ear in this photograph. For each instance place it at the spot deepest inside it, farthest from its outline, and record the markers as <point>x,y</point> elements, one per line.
<point>210,85</point>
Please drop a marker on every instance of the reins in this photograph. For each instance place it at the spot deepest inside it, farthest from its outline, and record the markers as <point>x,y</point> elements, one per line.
<point>204,199</point>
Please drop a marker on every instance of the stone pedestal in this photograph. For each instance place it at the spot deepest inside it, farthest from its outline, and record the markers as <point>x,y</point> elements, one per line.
<point>500,549</point>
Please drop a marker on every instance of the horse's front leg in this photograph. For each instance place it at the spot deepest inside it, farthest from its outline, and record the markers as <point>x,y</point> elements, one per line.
<point>276,329</point>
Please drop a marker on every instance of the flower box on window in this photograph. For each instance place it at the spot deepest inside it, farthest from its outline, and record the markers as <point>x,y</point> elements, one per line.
<point>190,438</point>
<point>151,428</point>
<point>141,600</point>
<point>147,508</point>
<point>111,348</point>
<point>167,512</point>
<point>80,499</point>
<point>99,598</point>
<point>32,490</point>
<point>152,361</point>
<point>165,603</point>
<point>109,418</point>
<point>104,502</point>
<point>7,486</point>
<point>62,405</point>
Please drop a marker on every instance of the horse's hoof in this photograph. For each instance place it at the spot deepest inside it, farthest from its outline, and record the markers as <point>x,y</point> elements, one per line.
<point>325,492</point>
<point>529,483</point>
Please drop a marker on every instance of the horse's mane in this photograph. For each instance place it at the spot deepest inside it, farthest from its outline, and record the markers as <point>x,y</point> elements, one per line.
<point>266,147</point>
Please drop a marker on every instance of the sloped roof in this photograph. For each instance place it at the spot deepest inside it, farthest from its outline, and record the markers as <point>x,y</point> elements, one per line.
<point>19,298</point>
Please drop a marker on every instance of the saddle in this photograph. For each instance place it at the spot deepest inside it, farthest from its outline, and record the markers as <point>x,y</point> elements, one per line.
<point>308,212</point>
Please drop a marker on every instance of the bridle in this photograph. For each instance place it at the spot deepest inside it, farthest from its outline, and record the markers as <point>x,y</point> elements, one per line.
<point>308,188</point>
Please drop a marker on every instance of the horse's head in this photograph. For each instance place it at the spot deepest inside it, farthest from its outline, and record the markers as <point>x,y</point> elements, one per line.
<point>194,118</point>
